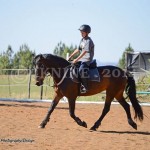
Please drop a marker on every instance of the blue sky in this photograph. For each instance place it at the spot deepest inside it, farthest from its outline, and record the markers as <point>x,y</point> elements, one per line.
<point>43,23</point>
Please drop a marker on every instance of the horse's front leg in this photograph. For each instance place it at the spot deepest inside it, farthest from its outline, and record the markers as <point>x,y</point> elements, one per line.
<point>54,103</point>
<point>72,113</point>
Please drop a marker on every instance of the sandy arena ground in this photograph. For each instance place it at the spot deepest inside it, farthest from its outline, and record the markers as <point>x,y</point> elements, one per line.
<point>19,128</point>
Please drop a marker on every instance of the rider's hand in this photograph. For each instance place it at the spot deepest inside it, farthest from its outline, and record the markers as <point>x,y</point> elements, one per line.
<point>68,59</point>
<point>74,61</point>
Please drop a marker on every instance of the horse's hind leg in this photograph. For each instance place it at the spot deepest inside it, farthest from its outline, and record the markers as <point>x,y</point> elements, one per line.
<point>54,103</point>
<point>126,107</point>
<point>104,112</point>
<point>72,113</point>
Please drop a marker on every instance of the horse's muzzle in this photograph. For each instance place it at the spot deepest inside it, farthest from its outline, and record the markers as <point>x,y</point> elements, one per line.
<point>38,83</point>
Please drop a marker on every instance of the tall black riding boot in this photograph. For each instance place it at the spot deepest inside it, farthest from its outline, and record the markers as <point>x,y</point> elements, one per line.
<point>84,88</point>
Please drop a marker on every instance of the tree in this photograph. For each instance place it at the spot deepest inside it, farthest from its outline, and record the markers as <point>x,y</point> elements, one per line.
<point>61,49</point>
<point>9,53</point>
<point>23,58</point>
<point>122,60</point>
<point>6,58</point>
<point>4,61</point>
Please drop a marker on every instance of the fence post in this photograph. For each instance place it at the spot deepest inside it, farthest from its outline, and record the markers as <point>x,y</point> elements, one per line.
<point>41,95</point>
<point>30,74</point>
<point>9,85</point>
<point>29,83</point>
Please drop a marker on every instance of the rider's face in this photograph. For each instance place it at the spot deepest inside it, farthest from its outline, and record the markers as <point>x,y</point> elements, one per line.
<point>84,34</point>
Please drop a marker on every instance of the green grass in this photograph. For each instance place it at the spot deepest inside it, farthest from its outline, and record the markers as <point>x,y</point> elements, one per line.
<point>16,86</point>
<point>19,89</point>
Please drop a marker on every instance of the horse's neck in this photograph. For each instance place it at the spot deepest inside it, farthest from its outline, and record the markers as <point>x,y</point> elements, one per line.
<point>57,74</point>
<point>55,62</point>
<point>57,71</point>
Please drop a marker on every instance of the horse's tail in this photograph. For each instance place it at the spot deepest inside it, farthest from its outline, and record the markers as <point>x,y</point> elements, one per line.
<point>131,92</point>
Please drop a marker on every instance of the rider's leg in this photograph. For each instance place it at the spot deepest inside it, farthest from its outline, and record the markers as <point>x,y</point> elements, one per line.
<point>84,75</point>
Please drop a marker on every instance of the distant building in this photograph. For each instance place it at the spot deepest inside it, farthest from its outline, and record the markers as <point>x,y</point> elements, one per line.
<point>138,63</point>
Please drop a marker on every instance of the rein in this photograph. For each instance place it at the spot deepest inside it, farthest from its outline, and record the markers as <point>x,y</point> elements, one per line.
<point>66,73</point>
<point>62,79</point>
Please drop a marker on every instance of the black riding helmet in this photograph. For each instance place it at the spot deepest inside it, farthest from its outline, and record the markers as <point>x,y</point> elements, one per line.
<point>85,28</point>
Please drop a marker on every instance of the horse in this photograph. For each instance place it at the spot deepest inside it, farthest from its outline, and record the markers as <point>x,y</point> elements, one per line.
<point>113,80</point>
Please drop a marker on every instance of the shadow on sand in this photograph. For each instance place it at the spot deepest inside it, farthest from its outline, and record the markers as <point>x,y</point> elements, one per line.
<point>127,132</point>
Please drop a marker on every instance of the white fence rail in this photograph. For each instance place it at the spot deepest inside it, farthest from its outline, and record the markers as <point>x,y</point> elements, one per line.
<point>20,83</point>
<point>17,82</point>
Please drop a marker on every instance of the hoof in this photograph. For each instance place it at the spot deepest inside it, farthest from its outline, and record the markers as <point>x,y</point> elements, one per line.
<point>95,126</point>
<point>41,127</point>
<point>133,124</point>
<point>93,129</point>
<point>84,124</point>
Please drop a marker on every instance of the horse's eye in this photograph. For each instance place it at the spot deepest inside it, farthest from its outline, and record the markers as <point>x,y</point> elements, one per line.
<point>37,67</point>
<point>42,66</point>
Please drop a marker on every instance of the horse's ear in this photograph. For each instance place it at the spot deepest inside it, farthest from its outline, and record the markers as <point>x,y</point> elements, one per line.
<point>38,58</point>
<point>41,57</point>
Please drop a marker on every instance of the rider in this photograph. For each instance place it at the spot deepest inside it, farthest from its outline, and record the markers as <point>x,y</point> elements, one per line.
<point>86,49</point>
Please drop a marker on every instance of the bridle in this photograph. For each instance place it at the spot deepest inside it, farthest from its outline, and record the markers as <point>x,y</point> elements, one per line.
<point>47,73</point>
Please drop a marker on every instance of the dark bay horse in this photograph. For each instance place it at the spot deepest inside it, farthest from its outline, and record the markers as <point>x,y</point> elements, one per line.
<point>112,79</point>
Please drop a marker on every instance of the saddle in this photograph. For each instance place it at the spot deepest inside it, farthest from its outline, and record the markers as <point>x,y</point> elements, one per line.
<point>93,72</point>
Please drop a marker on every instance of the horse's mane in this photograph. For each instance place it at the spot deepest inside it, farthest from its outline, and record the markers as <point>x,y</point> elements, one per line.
<point>55,58</point>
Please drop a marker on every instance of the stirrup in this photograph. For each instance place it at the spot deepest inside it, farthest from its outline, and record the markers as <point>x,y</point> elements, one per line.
<point>83,89</point>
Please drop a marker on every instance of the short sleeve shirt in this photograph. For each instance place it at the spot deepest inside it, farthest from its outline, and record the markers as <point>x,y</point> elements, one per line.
<point>86,44</point>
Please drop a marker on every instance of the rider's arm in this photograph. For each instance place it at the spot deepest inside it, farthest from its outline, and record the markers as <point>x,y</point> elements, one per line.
<point>80,56</point>
<point>75,52</point>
